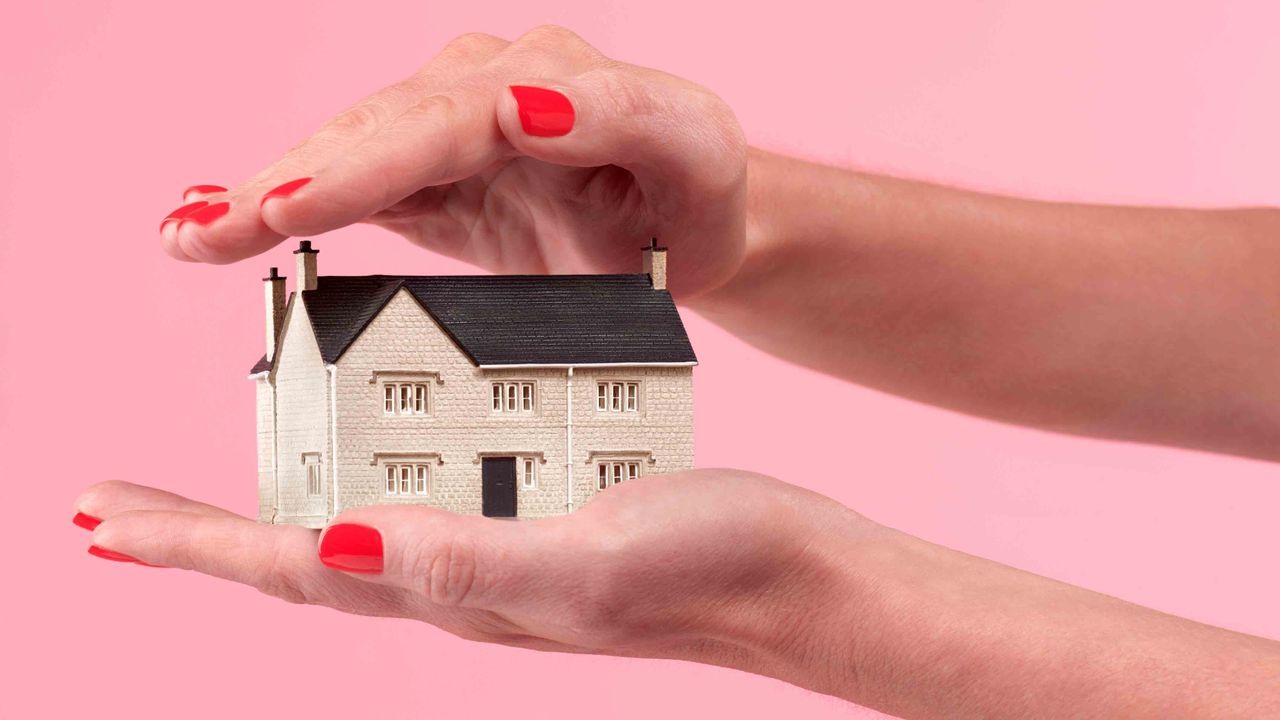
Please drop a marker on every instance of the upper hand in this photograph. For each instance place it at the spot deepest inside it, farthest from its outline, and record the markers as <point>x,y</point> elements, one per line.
<point>444,159</point>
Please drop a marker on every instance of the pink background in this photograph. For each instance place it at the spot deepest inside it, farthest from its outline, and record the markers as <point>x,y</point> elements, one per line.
<point>118,362</point>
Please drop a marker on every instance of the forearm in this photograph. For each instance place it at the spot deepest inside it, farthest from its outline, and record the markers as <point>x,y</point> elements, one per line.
<point>1139,323</point>
<point>921,631</point>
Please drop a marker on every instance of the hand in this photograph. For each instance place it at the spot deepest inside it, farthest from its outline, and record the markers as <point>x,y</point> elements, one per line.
<point>705,565</point>
<point>445,159</point>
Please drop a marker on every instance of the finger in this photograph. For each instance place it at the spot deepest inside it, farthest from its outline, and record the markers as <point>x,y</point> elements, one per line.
<point>448,559</point>
<point>110,498</point>
<point>279,560</point>
<point>443,138</point>
<point>201,192</point>
<point>225,233</point>
<point>661,128</point>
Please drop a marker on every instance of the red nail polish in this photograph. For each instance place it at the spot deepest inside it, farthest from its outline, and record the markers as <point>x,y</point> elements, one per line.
<point>543,112</point>
<point>106,554</point>
<point>285,190</point>
<point>206,215</point>
<point>88,522</point>
<point>183,211</point>
<point>352,548</point>
<point>203,189</point>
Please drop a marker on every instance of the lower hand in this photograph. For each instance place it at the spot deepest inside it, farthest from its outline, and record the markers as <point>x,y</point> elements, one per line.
<point>709,566</point>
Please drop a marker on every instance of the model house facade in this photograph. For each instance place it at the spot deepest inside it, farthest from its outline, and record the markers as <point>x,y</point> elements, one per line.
<point>508,396</point>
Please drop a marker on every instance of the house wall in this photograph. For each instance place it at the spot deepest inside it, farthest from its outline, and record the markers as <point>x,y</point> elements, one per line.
<point>302,420</point>
<point>462,426</point>
<point>266,447</point>
<point>661,433</point>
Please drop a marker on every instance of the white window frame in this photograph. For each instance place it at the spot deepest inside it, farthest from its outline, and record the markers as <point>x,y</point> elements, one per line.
<point>514,397</point>
<point>406,398</point>
<point>618,396</point>
<point>313,473</point>
<point>613,471</point>
<point>410,478</point>
<point>528,470</point>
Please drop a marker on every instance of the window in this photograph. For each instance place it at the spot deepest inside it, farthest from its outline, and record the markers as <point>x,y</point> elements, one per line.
<point>618,396</point>
<point>612,473</point>
<point>528,478</point>
<point>408,479</point>
<point>311,463</point>
<point>405,398</point>
<point>514,397</point>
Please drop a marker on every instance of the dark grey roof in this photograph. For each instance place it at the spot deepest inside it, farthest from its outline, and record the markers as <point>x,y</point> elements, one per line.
<point>513,319</point>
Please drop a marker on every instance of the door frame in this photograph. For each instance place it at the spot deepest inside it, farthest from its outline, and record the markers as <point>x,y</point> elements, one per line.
<point>492,500</point>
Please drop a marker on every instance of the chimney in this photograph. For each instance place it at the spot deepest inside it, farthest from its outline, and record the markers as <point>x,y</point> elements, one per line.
<point>655,264</point>
<point>306,266</point>
<point>274,285</point>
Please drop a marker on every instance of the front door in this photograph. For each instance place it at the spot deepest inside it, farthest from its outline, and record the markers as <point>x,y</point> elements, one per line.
<point>498,476</point>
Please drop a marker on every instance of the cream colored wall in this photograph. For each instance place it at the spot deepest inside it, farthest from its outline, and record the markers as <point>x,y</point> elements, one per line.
<point>662,428</point>
<point>302,420</point>
<point>461,425</point>
<point>266,448</point>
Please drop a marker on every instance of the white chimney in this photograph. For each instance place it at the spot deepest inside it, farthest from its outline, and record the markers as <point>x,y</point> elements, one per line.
<point>306,265</point>
<point>655,264</point>
<point>274,285</point>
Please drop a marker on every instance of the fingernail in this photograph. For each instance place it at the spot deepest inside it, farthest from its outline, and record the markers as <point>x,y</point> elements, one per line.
<point>182,212</point>
<point>203,190</point>
<point>88,522</point>
<point>106,554</point>
<point>206,215</point>
<point>352,548</point>
<point>285,190</point>
<point>543,112</point>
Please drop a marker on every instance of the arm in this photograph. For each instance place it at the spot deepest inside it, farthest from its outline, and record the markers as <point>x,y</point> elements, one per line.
<point>1136,323</point>
<point>1147,324</point>
<point>788,584</point>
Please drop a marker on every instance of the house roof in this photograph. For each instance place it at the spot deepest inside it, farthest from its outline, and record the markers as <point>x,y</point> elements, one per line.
<point>513,319</point>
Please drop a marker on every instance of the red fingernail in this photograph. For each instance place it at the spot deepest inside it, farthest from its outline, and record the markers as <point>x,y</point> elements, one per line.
<point>203,189</point>
<point>182,212</point>
<point>543,112</point>
<point>206,215</point>
<point>352,548</point>
<point>284,190</point>
<point>106,554</point>
<point>88,522</point>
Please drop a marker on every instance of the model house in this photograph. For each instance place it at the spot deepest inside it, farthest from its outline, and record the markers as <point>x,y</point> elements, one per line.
<point>505,395</point>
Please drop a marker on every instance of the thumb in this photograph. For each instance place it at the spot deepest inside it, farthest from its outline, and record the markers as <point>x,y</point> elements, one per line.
<point>655,125</point>
<point>448,559</point>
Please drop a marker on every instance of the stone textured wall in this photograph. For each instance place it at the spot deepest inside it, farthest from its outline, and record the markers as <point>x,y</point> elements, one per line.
<point>266,448</point>
<point>660,433</point>
<point>302,421</point>
<point>462,427</point>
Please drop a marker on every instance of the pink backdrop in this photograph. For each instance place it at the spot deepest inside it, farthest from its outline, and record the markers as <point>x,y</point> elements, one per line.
<point>118,362</point>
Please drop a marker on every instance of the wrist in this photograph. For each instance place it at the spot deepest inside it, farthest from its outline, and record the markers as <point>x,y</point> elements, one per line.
<point>806,624</point>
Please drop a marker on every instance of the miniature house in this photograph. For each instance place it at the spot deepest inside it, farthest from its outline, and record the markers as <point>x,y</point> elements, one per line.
<point>502,395</point>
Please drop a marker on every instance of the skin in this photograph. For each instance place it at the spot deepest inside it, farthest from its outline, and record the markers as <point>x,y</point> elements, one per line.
<point>1138,323</point>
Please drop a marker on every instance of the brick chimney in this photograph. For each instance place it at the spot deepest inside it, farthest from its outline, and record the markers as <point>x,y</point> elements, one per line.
<point>274,285</point>
<point>655,264</point>
<point>306,266</point>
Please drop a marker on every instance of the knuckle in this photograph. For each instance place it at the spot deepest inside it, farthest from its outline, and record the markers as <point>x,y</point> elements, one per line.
<point>449,569</point>
<point>276,578</point>
<point>471,46</point>
<point>552,38</point>
<point>550,32</point>
<point>360,117</point>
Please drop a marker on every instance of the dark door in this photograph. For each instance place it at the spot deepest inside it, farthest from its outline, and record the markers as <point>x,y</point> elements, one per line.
<point>499,489</point>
